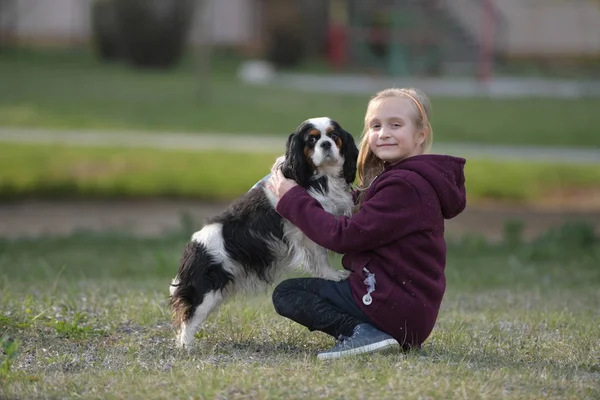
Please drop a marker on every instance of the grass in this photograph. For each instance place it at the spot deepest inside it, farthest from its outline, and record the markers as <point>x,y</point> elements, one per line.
<point>56,172</point>
<point>79,172</point>
<point>75,91</point>
<point>86,316</point>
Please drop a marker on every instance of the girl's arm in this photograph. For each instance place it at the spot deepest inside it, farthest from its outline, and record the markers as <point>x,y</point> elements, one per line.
<point>392,212</point>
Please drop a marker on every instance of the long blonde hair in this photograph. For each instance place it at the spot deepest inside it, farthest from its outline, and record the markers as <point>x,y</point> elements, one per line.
<point>369,166</point>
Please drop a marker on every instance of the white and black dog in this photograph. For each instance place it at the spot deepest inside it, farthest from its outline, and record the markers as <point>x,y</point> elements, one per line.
<point>247,246</point>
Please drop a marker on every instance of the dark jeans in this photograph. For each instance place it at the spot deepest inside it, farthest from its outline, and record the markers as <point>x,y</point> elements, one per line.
<point>319,304</point>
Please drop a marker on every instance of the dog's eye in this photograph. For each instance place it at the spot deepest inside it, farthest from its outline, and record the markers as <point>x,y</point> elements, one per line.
<point>312,140</point>
<point>334,135</point>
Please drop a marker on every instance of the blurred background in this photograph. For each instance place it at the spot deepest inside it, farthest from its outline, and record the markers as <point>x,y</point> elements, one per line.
<point>127,114</point>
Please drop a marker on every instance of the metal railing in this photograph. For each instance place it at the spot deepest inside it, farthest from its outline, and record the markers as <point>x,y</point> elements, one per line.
<point>481,18</point>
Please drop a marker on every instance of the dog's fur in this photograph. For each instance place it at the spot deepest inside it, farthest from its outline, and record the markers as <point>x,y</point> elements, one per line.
<point>246,247</point>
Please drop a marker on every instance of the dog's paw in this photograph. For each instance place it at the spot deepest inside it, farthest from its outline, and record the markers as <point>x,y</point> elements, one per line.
<point>339,275</point>
<point>185,338</point>
<point>184,347</point>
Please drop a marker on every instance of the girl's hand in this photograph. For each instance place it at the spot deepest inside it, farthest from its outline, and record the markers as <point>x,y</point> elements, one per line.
<point>279,184</point>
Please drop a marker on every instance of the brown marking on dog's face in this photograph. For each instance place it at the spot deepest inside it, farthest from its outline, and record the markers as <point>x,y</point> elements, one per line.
<point>308,153</point>
<point>314,132</point>
<point>312,137</point>
<point>338,142</point>
<point>335,137</point>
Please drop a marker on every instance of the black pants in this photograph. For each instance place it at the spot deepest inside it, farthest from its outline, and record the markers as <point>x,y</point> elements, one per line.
<point>319,304</point>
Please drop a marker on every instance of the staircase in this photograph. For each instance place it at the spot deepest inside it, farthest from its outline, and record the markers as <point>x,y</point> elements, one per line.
<point>460,48</point>
<point>465,28</point>
<point>473,26</point>
<point>424,36</point>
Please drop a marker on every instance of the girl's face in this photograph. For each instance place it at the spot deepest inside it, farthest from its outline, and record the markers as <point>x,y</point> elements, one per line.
<point>393,135</point>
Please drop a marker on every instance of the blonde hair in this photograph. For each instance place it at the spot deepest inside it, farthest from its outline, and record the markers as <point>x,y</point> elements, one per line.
<point>369,166</point>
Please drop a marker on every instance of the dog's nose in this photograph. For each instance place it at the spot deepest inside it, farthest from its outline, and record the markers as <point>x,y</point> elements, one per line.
<point>326,145</point>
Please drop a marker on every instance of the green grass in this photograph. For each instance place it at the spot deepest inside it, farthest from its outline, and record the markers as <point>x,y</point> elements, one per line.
<point>75,91</point>
<point>86,316</point>
<point>80,172</point>
<point>28,171</point>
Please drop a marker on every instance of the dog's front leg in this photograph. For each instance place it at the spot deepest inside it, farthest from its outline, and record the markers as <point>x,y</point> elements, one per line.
<point>322,268</point>
<point>209,303</point>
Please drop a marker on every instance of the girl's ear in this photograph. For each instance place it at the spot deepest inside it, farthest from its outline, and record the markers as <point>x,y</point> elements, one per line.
<point>421,135</point>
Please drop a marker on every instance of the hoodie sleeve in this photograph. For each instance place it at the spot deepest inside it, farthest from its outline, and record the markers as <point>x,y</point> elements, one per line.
<point>390,213</point>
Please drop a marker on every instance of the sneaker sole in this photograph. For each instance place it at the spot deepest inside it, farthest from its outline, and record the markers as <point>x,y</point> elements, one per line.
<point>379,347</point>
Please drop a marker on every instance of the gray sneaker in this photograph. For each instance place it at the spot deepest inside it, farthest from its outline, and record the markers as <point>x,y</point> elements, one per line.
<point>365,339</point>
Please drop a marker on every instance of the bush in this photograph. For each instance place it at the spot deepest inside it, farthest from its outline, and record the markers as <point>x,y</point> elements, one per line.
<point>286,48</point>
<point>105,30</point>
<point>147,33</point>
<point>154,32</point>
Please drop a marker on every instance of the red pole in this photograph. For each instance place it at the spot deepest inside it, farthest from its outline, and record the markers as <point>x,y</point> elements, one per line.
<point>337,34</point>
<point>487,42</point>
<point>337,45</point>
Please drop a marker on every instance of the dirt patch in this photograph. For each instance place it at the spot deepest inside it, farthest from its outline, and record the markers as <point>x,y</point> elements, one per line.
<point>581,199</point>
<point>154,217</point>
<point>490,220</point>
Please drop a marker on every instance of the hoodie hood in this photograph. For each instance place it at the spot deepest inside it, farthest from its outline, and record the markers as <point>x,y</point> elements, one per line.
<point>446,176</point>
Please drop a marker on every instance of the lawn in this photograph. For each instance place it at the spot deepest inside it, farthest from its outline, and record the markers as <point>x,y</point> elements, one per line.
<point>54,172</point>
<point>75,91</point>
<point>86,317</point>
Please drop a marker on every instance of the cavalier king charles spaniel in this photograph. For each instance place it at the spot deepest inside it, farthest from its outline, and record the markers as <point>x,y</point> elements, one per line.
<point>250,244</point>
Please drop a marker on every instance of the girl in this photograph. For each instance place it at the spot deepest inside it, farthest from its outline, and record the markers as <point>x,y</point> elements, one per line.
<point>394,243</point>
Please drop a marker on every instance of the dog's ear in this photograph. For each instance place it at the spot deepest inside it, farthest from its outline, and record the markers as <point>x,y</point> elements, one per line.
<point>350,153</point>
<point>296,165</point>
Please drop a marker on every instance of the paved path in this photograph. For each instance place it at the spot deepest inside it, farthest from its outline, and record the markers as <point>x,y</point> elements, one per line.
<point>261,143</point>
<point>498,87</point>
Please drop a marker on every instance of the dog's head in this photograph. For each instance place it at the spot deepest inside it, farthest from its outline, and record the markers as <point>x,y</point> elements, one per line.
<point>319,146</point>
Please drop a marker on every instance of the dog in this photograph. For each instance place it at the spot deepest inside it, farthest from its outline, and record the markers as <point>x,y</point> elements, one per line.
<point>247,246</point>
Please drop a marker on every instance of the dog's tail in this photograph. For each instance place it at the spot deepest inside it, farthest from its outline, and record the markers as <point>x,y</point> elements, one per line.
<point>182,303</point>
<point>198,274</point>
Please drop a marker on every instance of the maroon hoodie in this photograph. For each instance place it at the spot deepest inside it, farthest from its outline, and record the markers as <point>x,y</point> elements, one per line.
<point>396,237</point>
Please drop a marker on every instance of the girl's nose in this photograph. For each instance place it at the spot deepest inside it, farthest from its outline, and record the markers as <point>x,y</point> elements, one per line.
<point>384,133</point>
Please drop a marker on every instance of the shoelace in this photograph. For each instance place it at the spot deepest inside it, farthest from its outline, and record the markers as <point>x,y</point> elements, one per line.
<point>342,339</point>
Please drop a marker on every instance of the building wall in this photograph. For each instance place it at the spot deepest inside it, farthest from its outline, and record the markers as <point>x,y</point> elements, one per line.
<point>552,27</point>
<point>545,28</point>
<point>62,22</point>
<point>52,21</point>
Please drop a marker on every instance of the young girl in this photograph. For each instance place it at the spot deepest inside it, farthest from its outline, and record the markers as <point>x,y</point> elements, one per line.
<point>393,244</point>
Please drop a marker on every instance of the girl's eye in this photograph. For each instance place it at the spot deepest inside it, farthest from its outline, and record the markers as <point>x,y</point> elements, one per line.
<point>375,126</point>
